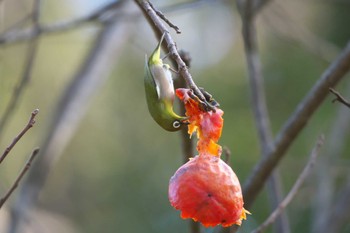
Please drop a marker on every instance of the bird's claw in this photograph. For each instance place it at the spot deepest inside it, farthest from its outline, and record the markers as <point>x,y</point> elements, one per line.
<point>209,104</point>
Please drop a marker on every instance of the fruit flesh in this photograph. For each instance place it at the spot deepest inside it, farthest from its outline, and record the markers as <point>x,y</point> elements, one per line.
<point>205,188</point>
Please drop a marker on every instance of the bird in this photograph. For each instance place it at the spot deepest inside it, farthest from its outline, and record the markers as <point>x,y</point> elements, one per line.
<point>160,92</point>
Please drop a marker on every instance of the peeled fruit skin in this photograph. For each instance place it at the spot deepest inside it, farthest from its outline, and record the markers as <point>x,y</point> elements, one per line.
<point>207,190</point>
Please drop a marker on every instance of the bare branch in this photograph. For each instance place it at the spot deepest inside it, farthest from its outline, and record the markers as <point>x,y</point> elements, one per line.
<point>339,98</point>
<point>103,14</point>
<point>71,108</point>
<point>299,182</point>
<point>18,24</point>
<point>186,142</point>
<point>162,16</point>
<point>258,101</point>
<point>256,80</point>
<point>20,176</point>
<point>160,29</point>
<point>326,183</point>
<point>18,90</point>
<point>335,72</point>
<point>27,71</point>
<point>339,215</point>
<point>29,125</point>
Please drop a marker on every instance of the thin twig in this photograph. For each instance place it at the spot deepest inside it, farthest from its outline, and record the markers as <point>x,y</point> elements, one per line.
<point>27,71</point>
<point>20,176</point>
<point>339,98</point>
<point>299,182</point>
<point>152,16</point>
<point>162,16</point>
<point>294,125</point>
<point>29,125</point>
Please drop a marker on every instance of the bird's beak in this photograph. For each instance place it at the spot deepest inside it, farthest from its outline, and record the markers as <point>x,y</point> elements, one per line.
<point>185,121</point>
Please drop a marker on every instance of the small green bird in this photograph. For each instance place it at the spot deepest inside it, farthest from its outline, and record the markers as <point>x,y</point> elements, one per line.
<point>160,92</point>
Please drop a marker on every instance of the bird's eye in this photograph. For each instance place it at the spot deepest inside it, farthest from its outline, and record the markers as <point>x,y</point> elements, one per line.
<point>176,124</point>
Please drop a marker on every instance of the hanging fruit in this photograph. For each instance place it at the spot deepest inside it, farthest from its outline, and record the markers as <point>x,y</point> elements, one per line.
<point>205,188</point>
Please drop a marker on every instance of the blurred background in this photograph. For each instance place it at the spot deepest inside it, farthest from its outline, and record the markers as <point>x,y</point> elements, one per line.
<point>110,165</point>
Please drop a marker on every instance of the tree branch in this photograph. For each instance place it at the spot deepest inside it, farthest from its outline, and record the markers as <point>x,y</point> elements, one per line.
<point>103,14</point>
<point>336,142</point>
<point>258,101</point>
<point>335,72</point>
<point>160,28</point>
<point>339,215</point>
<point>299,182</point>
<point>27,71</point>
<point>20,176</point>
<point>29,125</point>
<point>186,142</point>
<point>162,16</point>
<point>70,110</point>
<point>100,15</point>
<point>256,79</point>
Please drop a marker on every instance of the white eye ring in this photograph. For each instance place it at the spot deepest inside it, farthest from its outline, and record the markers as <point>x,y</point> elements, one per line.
<point>176,124</point>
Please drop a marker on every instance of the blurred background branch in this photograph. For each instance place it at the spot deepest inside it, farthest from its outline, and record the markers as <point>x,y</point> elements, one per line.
<point>339,214</point>
<point>326,181</point>
<point>187,143</point>
<point>297,121</point>
<point>248,11</point>
<point>15,35</point>
<point>70,110</point>
<point>27,71</point>
<point>298,183</point>
<point>20,177</point>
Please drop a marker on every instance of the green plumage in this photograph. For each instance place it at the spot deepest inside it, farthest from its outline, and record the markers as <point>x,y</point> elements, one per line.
<point>160,92</point>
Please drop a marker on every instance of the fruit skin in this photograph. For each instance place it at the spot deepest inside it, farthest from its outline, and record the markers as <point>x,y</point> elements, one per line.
<point>207,190</point>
